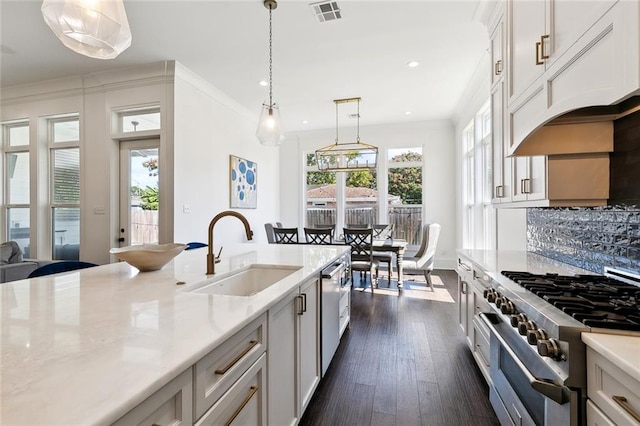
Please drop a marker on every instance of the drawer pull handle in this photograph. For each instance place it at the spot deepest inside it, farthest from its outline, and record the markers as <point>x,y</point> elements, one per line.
<point>623,403</point>
<point>252,391</point>
<point>234,361</point>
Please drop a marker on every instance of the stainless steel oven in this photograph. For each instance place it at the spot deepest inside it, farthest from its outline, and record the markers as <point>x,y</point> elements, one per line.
<point>537,357</point>
<point>524,389</point>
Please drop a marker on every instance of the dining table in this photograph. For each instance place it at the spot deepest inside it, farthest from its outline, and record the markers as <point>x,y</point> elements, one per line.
<point>396,246</point>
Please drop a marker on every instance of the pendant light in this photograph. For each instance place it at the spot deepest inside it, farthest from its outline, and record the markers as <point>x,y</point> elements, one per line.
<point>95,28</point>
<point>270,126</point>
<point>341,157</point>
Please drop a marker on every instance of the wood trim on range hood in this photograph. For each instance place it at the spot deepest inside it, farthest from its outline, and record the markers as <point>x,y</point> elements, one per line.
<point>586,130</point>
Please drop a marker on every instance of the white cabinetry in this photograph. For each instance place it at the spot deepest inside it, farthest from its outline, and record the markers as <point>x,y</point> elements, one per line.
<point>472,282</point>
<point>613,379</point>
<point>217,371</point>
<point>294,353</point>
<point>564,55</point>
<point>171,405</point>
<point>529,178</point>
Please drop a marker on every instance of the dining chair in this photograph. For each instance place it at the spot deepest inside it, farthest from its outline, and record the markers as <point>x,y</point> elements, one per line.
<point>268,227</point>
<point>422,262</point>
<point>286,235</point>
<point>383,232</point>
<point>318,235</point>
<point>362,259</point>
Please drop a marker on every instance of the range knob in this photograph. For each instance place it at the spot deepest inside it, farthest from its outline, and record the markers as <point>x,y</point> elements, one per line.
<point>507,308</point>
<point>492,296</point>
<point>518,318</point>
<point>550,348</point>
<point>533,336</point>
<point>501,301</point>
<point>523,327</point>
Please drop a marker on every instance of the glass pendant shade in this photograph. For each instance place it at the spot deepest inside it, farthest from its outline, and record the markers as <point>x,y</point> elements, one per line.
<point>94,28</point>
<point>270,126</point>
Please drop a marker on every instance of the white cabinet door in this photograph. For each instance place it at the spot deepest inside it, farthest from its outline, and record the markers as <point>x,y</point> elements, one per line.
<point>529,178</point>
<point>497,52</point>
<point>526,25</point>
<point>309,338</point>
<point>501,163</point>
<point>282,361</point>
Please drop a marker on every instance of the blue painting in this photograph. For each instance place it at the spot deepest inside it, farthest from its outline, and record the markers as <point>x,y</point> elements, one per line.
<point>244,179</point>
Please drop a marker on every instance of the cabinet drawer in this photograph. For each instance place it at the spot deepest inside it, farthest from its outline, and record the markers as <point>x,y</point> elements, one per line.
<point>464,269</point>
<point>595,417</point>
<point>612,390</point>
<point>244,403</point>
<point>481,341</point>
<point>171,405</point>
<point>216,372</point>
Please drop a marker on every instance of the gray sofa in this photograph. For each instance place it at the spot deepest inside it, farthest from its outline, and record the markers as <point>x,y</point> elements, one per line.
<point>12,266</point>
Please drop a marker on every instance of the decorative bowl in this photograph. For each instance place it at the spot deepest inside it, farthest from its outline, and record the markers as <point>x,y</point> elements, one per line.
<point>148,257</point>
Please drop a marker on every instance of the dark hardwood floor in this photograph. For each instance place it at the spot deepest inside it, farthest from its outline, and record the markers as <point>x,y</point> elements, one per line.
<point>403,361</point>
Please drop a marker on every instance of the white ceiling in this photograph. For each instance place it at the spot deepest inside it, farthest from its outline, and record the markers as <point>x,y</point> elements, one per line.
<point>226,42</point>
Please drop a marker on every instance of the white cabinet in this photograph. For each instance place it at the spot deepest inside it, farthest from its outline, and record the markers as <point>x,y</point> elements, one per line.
<point>293,353</point>
<point>217,371</point>
<point>171,405</point>
<point>244,403</point>
<point>529,178</point>
<point>472,281</point>
<point>613,379</point>
<point>497,49</point>
<point>564,55</point>
<point>502,167</point>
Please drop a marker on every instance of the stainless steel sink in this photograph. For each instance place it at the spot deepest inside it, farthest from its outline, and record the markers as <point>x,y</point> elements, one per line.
<point>246,282</point>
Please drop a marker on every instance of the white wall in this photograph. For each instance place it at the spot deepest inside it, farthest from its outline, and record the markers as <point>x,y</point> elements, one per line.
<point>208,127</point>
<point>437,140</point>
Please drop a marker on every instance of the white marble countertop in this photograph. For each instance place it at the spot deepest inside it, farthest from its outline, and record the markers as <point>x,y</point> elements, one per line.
<point>623,351</point>
<point>495,261</point>
<point>88,346</point>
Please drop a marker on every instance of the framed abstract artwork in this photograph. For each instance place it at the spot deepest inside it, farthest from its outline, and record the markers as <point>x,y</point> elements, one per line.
<point>243,179</point>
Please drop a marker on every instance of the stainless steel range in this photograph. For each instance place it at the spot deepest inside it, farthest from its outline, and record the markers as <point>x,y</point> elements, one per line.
<point>538,367</point>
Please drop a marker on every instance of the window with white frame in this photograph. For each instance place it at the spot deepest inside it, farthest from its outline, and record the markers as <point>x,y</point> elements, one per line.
<point>353,198</point>
<point>64,187</point>
<point>139,120</point>
<point>17,173</point>
<point>478,213</point>
<point>469,181</point>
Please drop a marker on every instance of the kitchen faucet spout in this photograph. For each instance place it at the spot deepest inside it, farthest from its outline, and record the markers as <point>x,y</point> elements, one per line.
<point>211,260</point>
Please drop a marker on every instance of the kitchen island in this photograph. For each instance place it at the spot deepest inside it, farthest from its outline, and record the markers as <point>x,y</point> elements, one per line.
<point>89,346</point>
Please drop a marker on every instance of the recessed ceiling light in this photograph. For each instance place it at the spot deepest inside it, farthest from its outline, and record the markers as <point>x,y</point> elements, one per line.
<point>304,121</point>
<point>413,64</point>
<point>263,83</point>
<point>407,113</point>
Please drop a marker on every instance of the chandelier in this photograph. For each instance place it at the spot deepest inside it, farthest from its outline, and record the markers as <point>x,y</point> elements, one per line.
<point>98,28</point>
<point>270,126</point>
<point>341,157</point>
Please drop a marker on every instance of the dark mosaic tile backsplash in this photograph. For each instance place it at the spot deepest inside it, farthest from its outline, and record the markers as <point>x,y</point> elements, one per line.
<point>588,237</point>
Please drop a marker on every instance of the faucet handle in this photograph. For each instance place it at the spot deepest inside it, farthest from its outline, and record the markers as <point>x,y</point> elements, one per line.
<point>216,259</point>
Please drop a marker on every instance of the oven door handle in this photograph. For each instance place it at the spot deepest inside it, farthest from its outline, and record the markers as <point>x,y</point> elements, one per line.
<point>546,387</point>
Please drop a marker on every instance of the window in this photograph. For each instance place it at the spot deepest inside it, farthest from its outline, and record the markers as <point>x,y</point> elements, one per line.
<point>404,193</point>
<point>139,120</point>
<point>18,183</point>
<point>65,188</point>
<point>478,214</point>
<point>353,198</point>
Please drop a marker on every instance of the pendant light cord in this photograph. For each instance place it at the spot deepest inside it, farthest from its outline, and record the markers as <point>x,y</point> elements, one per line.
<point>358,123</point>
<point>270,63</point>
<point>336,123</point>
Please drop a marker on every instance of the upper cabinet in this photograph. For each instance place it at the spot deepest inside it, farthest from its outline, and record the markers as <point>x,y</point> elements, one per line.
<point>563,55</point>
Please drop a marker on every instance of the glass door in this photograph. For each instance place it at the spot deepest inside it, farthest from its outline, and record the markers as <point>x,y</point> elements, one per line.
<point>139,192</point>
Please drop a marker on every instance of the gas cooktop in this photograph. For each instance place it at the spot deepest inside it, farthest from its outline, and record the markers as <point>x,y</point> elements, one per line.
<point>595,300</point>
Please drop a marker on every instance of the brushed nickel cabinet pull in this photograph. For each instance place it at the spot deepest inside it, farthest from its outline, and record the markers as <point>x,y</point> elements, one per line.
<point>252,391</point>
<point>526,186</point>
<point>500,191</point>
<point>300,311</point>
<point>234,361</point>
<point>497,68</point>
<point>542,39</point>
<point>624,404</point>
<point>538,47</point>
<point>522,186</point>
<point>304,302</point>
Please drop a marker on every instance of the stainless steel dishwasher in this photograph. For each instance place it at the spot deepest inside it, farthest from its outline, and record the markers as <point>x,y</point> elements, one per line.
<point>332,277</point>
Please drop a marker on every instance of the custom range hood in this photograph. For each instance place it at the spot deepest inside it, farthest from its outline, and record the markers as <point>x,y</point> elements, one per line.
<point>582,131</point>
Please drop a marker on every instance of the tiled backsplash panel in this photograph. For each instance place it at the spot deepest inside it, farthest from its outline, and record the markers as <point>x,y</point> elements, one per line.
<point>588,237</point>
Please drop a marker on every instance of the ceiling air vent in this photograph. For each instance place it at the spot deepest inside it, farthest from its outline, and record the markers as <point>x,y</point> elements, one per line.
<point>326,11</point>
